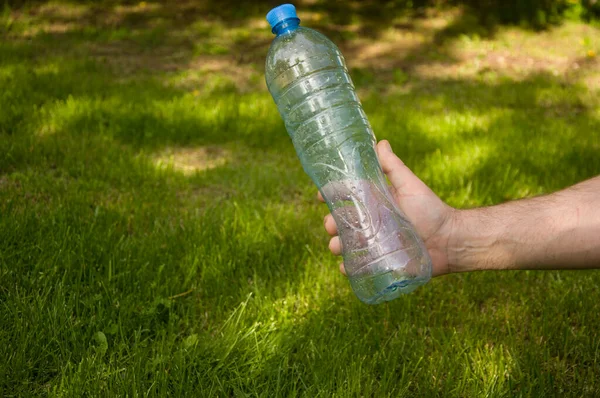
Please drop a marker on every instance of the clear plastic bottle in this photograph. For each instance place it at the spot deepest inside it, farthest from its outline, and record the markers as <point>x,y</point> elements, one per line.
<point>308,79</point>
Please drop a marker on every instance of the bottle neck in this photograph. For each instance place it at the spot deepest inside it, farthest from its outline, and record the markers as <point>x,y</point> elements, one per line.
<point>285,26</point>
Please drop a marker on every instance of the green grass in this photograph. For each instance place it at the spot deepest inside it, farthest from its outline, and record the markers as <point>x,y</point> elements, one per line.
<point>123,273</point>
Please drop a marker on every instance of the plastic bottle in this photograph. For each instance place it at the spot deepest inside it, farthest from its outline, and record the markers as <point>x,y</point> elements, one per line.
<point>308,79</point>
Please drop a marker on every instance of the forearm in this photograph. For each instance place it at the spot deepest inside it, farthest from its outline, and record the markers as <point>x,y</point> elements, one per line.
<point>557,231</point>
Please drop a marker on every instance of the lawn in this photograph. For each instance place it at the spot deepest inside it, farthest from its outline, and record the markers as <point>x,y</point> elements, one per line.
<point>159,237</point>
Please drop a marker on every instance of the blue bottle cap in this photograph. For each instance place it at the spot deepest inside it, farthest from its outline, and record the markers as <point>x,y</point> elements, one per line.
<point>280,14</point>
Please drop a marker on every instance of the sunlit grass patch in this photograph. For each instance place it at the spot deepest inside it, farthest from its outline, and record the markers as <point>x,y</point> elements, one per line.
<point>192,160</point>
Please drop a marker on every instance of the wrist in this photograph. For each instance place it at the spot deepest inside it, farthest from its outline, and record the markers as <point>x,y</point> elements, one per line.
<point>476,242</point>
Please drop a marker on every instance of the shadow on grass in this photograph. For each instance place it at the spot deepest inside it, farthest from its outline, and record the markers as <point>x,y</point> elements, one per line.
<point>59,98</point>
<point>174,36</point>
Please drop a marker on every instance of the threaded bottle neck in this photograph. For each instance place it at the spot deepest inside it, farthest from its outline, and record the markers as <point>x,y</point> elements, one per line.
<point>285,26</point>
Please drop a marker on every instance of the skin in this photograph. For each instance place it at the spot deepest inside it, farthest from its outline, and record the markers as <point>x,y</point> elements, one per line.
<point>556,231</point>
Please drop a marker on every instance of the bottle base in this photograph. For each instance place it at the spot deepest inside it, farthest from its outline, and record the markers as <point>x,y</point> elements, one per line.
<point>386,286</point>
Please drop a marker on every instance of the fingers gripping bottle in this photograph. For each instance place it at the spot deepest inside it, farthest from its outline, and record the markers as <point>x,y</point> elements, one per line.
<point>308,79</point>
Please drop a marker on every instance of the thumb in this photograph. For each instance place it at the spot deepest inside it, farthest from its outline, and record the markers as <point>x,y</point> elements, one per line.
<point>404,181</point>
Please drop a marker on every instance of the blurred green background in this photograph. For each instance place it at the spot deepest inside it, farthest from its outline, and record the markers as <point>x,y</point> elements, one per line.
<point>159,237</point>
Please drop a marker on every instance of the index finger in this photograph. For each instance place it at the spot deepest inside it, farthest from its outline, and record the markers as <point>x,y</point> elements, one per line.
<point>320,197</point>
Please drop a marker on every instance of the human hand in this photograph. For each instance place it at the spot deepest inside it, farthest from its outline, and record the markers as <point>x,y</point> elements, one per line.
<point>431,217</point>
